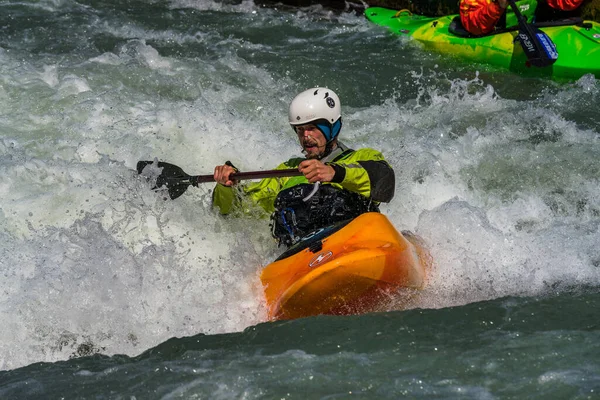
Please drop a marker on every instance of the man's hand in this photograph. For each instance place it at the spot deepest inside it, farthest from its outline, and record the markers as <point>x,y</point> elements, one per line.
<point>316,171</point>
<point>222,174</point>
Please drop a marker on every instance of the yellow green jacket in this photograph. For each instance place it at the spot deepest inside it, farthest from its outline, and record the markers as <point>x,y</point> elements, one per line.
<point>363,171</point>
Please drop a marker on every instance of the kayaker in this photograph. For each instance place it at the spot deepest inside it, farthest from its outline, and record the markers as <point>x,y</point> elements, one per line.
<point>353,181</point>
<point>480,17</point>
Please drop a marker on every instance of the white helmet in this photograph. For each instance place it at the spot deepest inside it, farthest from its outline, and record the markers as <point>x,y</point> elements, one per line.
<point>319,106</point>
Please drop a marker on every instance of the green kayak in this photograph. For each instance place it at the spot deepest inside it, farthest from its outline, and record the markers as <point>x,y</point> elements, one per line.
<point>577,42</point>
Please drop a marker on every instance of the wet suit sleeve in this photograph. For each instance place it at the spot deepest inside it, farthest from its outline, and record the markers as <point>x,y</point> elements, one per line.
<point>479,17</point>
<point>225,198</point>
<point>366,172</point>
<point>232,199</point>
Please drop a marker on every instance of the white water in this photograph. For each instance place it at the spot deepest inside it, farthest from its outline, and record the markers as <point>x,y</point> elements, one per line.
<point>93,260</point>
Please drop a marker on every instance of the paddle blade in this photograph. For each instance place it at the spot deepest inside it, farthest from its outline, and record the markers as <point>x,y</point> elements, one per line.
<point>176,190</point>
<point>167,175</point>
<point>539,48</point>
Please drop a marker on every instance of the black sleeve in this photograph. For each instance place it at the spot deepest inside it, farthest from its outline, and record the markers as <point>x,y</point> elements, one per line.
<point>383,180</point>
<point>340,173</point>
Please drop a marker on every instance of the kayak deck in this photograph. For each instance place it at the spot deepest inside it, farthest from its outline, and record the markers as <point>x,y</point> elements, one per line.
<point>354,270</point>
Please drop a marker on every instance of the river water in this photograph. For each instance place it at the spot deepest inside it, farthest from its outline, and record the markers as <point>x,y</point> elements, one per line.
<point>108,291</point>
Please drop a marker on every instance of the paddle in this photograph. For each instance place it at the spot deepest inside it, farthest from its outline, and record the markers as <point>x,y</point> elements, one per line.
<point>177,181</point>
<point>538,47</point>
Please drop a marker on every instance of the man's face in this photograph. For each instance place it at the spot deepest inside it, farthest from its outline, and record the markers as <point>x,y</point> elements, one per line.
<point>312,140</point>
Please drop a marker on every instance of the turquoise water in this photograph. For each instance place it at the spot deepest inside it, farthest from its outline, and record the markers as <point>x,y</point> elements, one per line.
<point>100,277</point>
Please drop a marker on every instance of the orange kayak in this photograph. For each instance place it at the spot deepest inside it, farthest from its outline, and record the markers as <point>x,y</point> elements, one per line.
<point>349,268</point>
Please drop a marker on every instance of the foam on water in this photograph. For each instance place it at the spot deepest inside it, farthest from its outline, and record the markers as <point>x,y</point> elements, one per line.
<point>505,195</point>
<point>523,212</point>
<point>244,7</point>
<point>94,260</point>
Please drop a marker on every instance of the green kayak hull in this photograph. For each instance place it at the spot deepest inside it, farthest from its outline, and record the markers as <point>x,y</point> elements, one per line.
<point>578,46</point>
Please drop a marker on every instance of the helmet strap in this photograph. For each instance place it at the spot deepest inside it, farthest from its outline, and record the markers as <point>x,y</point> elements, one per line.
<point>328,149</point>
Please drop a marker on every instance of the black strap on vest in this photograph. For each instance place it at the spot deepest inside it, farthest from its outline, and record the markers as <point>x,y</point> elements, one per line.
<point>343,155</point>
<point>295,218</point>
